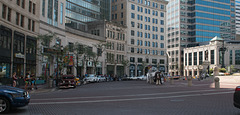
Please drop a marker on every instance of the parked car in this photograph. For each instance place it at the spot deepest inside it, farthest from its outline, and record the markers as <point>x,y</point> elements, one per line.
<point>236,97</point>
<point>67,81</point>
<point>101,78</point>
<point>12,97</point>
<point>142,77</point>
<point>91,78</point>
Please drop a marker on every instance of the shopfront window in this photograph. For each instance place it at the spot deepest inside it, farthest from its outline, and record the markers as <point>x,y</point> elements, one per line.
<point>4,70</point>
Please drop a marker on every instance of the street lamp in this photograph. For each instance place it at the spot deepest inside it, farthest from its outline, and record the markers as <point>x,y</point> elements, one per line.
<point>222,49</point>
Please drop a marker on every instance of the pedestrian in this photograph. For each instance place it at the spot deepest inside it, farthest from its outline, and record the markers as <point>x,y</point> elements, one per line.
<point>14,77</point>
<point>161,76</point>
<point>157,77</point>
<point>33,80</point>
<point>27,80</point>
<point>86,74</point>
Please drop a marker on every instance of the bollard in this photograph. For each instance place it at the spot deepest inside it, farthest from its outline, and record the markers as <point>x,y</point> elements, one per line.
<point>189,81</point>
<point>171,81</point>
<point>217,84</point>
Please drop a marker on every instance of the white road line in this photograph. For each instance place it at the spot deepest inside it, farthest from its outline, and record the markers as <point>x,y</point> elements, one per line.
<point>131,95</point>
<point>133,99</point>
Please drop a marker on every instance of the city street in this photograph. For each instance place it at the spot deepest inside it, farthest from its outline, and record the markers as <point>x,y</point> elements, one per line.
<point>133,98</point>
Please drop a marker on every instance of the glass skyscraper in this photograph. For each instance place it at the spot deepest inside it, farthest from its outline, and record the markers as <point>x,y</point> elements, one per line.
<point>81,12</point>
<point>237,5</point>
<point>194,21</point>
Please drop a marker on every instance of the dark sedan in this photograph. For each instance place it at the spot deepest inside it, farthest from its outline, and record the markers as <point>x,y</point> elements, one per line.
<point>236,97</point>
<point>67,81</point>
<point>12,97</point>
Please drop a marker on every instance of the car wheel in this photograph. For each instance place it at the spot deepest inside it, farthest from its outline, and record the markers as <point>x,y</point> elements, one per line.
<point>4,105</point>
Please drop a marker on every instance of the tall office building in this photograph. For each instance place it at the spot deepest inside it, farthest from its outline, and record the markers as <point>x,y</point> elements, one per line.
<point>146,22</point>
<point>80,12</point>
<point>237,5</point>
<point>194,21</point>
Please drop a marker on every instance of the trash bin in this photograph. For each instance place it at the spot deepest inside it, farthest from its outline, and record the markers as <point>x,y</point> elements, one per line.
<point>50,83</point>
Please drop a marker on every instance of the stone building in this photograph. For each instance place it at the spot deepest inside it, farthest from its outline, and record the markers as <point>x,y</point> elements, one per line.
<point>19,26</point>
<point>197,59</point>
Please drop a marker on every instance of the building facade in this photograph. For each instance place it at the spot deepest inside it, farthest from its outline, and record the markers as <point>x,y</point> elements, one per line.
<point>19,25</point>
<point>54,18</point>
<point>194,21</point>
<point>237,7</point>
<point>116,50</point>
<point>80,12</point>
<point>197,59</point>
<point>146,26</point>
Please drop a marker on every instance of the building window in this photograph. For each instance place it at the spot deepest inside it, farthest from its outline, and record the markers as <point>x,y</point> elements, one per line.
<point>121,6</point>
<point>230,56</point>
<point>161,61</point>
<point>22,21</point>
<point>33,25</point>
<point>55,13</point>
<point>162,45</point>
<point>190,58</point>
<point>4,11</point>
<point>70,46</point>
<point>61,14</point>
<point>132,59</point>
<point>23,4</point>
<point>17,18</point>
<point>50,11</point>
<point>132,41</point>
<point>132,32</point>
<point>43,8</point>
<point>200,58</point>
<point>212,56</point>
<point>132,15</point>
<point>29,24</point>
<point>9,14</point>
<point>132,7</point>
<point>30,6</point>
<point>195,58</point>
<point>132,50</point>
<point>18,2</point>
<point>34,7</point>
<point>237,57</point>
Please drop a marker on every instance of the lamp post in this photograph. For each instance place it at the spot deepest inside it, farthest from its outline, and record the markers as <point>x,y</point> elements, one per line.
<point>223,49</point>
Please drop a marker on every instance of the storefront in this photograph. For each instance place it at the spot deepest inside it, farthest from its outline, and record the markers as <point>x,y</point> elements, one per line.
<point>5,49</point>
<point>31,54</point>
<point>132,70</point>
<point>18,51</point>
<point>99,68</point>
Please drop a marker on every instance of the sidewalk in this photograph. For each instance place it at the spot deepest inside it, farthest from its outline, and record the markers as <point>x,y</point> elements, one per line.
<point>43,88</point>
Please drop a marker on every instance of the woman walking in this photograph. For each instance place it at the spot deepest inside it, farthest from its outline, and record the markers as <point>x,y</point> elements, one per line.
<point>14,77</point>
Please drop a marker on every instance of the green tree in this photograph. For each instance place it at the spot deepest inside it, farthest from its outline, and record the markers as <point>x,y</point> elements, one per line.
<point>101,47</point>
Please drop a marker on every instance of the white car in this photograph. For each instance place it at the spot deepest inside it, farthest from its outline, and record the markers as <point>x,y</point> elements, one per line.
<point>142,77</point>
<point>91,78</point>
<point>101,78</point>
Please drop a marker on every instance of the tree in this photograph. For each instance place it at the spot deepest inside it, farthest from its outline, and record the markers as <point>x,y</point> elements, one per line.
<point>101,47</point>
<point>125,63</point>
<point>144,64</point>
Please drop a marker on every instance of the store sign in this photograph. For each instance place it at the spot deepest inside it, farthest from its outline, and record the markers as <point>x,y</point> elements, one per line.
<point>19,55</point>
<point>99,64</point>
<point>89,64</point>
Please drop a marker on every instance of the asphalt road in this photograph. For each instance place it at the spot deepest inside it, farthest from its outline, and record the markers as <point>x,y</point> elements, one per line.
<point>133,98</point>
